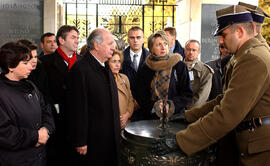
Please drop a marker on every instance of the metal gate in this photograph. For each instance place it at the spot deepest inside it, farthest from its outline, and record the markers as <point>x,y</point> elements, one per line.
<point>119,16</point>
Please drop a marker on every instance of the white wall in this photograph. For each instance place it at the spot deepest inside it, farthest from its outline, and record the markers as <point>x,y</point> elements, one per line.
<point>188,17</point>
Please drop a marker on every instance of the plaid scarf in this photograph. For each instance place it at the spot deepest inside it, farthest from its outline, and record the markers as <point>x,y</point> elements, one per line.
<point>162,67</point>
<point>160,84</point>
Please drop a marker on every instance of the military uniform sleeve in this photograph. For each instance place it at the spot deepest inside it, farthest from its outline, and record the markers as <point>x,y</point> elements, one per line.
<point>200,111</point>
<point>240,97</point>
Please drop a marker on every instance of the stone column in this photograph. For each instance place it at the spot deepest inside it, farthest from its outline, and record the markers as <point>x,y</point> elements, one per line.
<point>50,16</point>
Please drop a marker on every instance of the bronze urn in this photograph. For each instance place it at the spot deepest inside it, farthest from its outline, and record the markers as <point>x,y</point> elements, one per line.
<point>139,137</point>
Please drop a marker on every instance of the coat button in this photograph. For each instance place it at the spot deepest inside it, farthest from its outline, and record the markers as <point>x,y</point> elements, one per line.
<point>30,96</point>
<point>242,154</point>
<point>40,155</point>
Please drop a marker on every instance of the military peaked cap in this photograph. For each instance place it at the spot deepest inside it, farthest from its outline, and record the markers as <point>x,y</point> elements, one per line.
<point>257,13</point>
<point>230,15</point>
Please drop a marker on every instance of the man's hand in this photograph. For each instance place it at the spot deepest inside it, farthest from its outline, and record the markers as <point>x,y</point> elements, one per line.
<point>82,150</point>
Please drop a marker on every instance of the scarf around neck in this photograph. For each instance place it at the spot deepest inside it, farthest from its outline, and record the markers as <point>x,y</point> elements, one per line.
<point>70,60</point>
<point>191,64</point>
<point>161,80</point>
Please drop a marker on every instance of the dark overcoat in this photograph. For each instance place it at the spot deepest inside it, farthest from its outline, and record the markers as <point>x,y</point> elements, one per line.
<point>128,67</point>
<point>22,113</point>
<point>179,49</point>
<point>93,116</point>
<point>179,89</point>
<point>57,71</point>
<point>216,87</point>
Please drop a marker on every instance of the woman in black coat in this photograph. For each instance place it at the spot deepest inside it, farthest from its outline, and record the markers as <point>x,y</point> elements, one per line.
<point>25,119</point>
<point>163,76</point>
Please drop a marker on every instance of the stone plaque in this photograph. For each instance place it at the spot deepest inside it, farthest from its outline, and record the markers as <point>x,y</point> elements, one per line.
<point>209,43</point>
<point>21,19</point>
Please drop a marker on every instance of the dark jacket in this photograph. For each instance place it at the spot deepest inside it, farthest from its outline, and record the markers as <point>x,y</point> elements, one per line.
<point>179,89</point>
<point>216,88</point>
<point>57,71</point>
<point>179,49</point>
<point>218,66</point>
<point>128,68</point>
<point>22,113</point>
<point>93,117</point>
<point>40,79</point>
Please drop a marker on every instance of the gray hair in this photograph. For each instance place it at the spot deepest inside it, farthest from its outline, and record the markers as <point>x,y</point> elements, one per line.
<point>95,36</point>
<point>193,41</point>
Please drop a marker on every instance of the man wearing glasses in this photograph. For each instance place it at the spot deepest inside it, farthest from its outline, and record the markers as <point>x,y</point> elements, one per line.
<point>200,74</point>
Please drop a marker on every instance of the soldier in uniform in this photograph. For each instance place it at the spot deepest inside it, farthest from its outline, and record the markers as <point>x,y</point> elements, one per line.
<point>244,106</point>
<point>258,16</point>
<point>200,74</point>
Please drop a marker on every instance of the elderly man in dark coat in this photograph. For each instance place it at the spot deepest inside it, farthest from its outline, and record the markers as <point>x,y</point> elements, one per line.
<point>94,124</point>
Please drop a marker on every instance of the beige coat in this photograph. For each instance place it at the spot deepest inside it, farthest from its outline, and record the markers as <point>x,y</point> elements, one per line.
<point>124,94</point>
<point>201,83</point>
<point>246,95</point>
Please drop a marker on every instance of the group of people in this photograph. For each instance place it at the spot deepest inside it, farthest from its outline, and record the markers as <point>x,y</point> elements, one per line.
<point>62,108</point>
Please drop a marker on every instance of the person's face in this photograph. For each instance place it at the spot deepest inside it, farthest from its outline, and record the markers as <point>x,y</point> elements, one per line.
<point>22,70</point>
<point>223,51</point>
<point>192,51</point>
<point>135,40</point>
<point>230,40</point>
<point>160,47</point>
<point>115,63</point>
<point>171,39</point>
<point>33,60</point>
<point>49,46</point>
<point>106,48</point>
<point>70,44</point>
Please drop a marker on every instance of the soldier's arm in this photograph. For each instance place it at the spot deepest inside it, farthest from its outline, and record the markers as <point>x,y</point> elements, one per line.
<point>200,111</point>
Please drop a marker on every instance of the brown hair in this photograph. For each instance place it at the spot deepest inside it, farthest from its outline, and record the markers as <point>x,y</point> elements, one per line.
<point>27,44</point>
<point>63,31</point>
<point>135,28</point>
<point>120,53</point>
<point>171,30</point>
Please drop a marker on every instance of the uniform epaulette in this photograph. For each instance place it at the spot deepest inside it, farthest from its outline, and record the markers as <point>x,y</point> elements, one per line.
<point>210,68</point>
